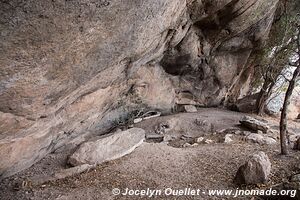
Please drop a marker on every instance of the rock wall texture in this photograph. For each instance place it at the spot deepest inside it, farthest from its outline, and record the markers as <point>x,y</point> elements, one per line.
<point>71,68</point>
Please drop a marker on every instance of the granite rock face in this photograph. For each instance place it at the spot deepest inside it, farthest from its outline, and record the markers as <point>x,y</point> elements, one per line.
<point>72,67</point>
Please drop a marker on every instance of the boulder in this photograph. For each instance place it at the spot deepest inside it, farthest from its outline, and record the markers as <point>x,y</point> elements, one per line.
<point>254,124</point>
<point>260,139</point>
<point>108,148</point>
<point>256,170</point>
<point>246,104</point>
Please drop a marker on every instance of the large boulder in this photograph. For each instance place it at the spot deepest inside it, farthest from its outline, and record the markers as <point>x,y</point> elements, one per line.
<point>256,170</point>
<point>108,148</point>
<point>254,124</point>
<point>245,104</point>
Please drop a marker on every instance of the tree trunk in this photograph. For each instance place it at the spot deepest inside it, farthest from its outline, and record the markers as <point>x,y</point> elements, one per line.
<point>283,119</point>
<point>262,98</point>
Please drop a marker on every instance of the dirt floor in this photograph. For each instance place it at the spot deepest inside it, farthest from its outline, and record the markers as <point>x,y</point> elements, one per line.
<point>161,165</point>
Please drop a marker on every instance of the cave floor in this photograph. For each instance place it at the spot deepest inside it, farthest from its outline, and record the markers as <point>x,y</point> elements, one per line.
<point>158,166</point>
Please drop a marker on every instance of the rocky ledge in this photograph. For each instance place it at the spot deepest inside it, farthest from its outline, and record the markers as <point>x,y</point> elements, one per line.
<point>75,69</point>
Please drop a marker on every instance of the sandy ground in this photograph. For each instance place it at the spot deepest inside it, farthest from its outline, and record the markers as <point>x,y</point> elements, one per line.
<point>158,166</point>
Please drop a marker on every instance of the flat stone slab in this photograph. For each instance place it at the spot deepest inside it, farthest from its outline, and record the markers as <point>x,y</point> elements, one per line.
<point>108,148</point>
<point>254,124</point>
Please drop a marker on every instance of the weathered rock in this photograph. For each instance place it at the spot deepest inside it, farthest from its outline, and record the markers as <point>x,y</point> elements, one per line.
<point>246,104</point>
<point>195,144</point>
<point>254,124</point>
<point>186,145</point>
<point>208,141</point>
<point>108,148</point>
<point>190,108</point>
<point>256,170</point>
<point>71,67</point>
<point>227,138</point>
<point>200,139</point>
<point>260,139</point>
<point>260,132</point>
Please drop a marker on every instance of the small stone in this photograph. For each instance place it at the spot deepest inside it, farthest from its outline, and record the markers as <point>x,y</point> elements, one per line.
<point>187,145</point>
<point>137,120</point>
<point>255,171</point>
<point>200,139</point>
<point>208,141</point>
<point>195,144</point>
<point>259,132</point>
<point>228,139</point>
<point>190,108</point>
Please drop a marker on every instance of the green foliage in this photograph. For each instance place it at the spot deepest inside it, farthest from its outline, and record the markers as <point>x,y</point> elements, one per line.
<point>274,57</point>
